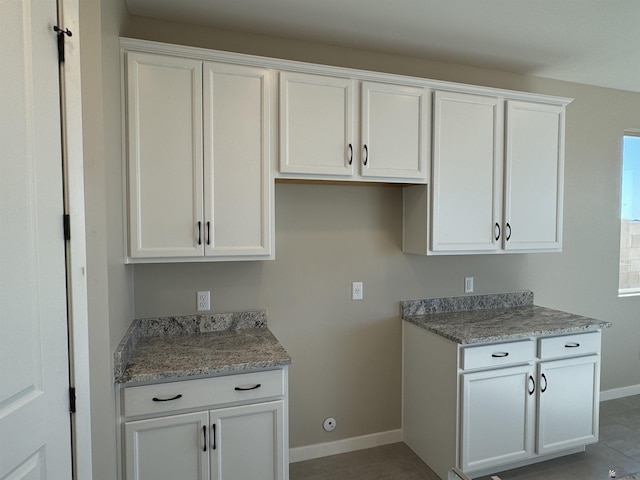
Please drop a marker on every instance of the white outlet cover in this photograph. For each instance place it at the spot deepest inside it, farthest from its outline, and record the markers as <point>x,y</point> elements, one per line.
<point>203,301</point>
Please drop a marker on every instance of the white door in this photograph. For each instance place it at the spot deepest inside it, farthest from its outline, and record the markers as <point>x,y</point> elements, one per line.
<point>467,173</point>
<point>164,121</point>
<point>498,408</point>
<point>533,176</point>
<point>316,125</point>
<point>237,148</point>
<point>168,448</point>
<point>248,442</point>
<point>34,372</point>
<point>394,132</point>
<point>568,410</point>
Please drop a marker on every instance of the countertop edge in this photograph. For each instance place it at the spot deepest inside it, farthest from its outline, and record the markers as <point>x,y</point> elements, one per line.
<point>178,375</point>
<point>510,337</point>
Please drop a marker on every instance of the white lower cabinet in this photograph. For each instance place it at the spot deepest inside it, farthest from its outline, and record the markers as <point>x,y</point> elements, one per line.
<point>497,413</point>
<point>247,441</point>
<point>517,402</point>
<point>567,407</point>
<point>167,448</point>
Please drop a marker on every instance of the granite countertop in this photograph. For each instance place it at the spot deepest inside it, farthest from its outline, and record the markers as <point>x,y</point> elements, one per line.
<point>174,348</point>
<point>479,319</point>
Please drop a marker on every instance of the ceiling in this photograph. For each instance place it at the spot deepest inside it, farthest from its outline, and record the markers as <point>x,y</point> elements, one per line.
<point>595,42</point>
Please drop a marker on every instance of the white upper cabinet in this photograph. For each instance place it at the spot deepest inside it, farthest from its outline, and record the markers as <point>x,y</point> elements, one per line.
<point>534,166</point>
<point>199,183</point>
<point>316,125</point>
<point>497,178</point>
<point>164,127</point>
<point>467,172</point>
<point>394,131</point>
<point>237,182</point>
<point>322,137</point>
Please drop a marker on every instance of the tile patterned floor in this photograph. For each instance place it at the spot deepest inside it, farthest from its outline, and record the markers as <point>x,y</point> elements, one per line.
<point>618,449</point>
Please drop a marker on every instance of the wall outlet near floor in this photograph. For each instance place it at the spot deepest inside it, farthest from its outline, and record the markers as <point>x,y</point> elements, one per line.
<point>356,291</point>
<point>203,303</point>
<point>329,424</point>
<point>468,284</point>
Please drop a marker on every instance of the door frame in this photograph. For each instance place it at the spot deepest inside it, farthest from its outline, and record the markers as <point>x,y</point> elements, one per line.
<point>78,316</point>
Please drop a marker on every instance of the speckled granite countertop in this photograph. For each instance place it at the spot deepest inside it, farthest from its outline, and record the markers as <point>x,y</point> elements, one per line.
<point>479,319</point>
<point>204,345</point>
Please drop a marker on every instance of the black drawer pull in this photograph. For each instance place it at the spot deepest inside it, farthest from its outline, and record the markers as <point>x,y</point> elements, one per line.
<point>532,383</point>
<point>244,389</point>
<point>544,377</point>
<point>572,345</point>
<point>156,399</point>
<point>500,354</point>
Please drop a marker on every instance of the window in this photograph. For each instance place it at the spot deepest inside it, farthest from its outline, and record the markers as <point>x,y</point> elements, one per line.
<point>629,279</point>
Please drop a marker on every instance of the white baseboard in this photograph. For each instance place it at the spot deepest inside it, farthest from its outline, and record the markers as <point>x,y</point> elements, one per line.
<point>619,392</point>
<point>309,452</point>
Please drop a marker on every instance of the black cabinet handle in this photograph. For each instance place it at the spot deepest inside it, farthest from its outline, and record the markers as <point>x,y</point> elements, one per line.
<point>350,154</point>
<point>366,154</point>
<point>572,345</point>
<point>500,354</point>
<point>498,234</point>
<point>208,233</point>
<point>199,233</point>
<point>213,427</point>
<point>533,385</point>
<point>544,389</point>
<point>204,435</point>
<point>176,397</point>
<point>245,389</point>
<point>508,234</point>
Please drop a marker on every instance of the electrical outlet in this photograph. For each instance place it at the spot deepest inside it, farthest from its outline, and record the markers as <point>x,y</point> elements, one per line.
<point>356,291</point>
<point>468,284</point>
<point>203,303</point>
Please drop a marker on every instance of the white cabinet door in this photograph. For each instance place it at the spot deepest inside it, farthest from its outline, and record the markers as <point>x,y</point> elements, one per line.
<point>568,408</point>
<point>534,176</point>
<point>394,131</point>
<point>467,173</point>
<point>248,442</point>
<point>316,125</point>
<point>164,126</point>
<point>237,187</point>
<point>167,448</point>
<point>497,417</point>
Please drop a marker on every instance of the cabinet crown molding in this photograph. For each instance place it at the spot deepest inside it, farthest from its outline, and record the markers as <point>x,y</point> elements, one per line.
<point>206,54</point>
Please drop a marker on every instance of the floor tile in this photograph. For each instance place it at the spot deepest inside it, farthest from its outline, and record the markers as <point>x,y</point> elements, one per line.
<point>618,449</point>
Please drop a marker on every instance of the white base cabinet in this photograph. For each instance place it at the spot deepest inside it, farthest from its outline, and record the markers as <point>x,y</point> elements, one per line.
<point>245,438</point>
<point>489,408</point>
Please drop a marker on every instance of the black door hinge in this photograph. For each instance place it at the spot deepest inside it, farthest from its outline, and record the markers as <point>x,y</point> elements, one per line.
<point>66,225</point>
<point>72,399</point>
<point>61,33</point>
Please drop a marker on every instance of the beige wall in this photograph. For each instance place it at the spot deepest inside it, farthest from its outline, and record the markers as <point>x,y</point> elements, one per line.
<point>110,283</point>
<point>347,355</point>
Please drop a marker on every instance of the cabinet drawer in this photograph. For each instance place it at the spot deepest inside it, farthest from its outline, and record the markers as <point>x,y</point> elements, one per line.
<point>498,354</point>
<point>569,345</point>
<point>205,392</point>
